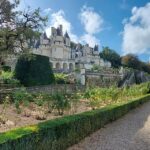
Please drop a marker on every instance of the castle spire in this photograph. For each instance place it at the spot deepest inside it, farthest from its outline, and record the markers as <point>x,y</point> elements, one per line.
<point>45,36</point>
<point>66,35</point>
<point>96,48</point>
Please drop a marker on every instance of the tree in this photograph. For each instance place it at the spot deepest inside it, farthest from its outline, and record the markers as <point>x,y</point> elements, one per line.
<point>17,27</point>
<point>110,55</point>
<point>145,67</point>
<point>131,61</point>
<point>35,71</point>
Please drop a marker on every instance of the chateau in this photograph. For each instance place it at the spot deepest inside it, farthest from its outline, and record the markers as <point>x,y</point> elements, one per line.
<point>65,55</point>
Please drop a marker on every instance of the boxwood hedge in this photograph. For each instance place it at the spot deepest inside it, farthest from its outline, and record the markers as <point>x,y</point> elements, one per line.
<point>34,70</point>
<point>58,134</point>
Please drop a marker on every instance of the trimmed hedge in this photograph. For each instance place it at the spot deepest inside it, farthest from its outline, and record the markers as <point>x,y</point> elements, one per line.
<point>63,132</point>
<point>34,71</point>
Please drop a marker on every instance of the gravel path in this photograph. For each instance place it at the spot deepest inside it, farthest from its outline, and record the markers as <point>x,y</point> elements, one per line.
<point>131,132</point>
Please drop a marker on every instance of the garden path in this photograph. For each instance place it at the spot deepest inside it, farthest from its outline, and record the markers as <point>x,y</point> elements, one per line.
<point>131,132</point>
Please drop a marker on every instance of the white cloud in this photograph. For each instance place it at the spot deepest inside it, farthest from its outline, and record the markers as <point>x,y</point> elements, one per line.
<point>58,18</point>
<point>47,10</point>
<point>90,39</point>
<point>91,20</point>
<point>124,21</point>
<point>136,34</point>
<point>92,23</point>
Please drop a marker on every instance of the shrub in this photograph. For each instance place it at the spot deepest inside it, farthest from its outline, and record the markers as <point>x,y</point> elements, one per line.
<point>8,78</point>
<point>50,103</point>
<point>5,75</point>
<point>60,78</point>
<point>61,102</point>
<point>39,99</point>
<point>21,97</point>
<point>34,71</point>
<point>97,96</point>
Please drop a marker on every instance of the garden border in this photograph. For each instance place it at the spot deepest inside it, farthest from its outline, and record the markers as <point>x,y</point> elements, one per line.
<point>59,134</point>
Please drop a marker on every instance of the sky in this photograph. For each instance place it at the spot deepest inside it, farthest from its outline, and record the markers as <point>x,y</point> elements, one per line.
<point>122,25</point>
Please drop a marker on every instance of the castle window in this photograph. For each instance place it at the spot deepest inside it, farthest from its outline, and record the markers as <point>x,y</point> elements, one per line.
<point>71,67</point>
<point>58,67</point>
<point>65,67</point>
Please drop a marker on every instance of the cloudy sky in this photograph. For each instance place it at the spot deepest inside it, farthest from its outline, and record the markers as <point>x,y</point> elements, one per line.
<point>123,25</point>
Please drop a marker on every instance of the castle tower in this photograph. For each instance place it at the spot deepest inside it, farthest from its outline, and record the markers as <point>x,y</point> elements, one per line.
<point>61,30</point>
<point>67,39</point>
<point>96,51</point>
<point>53,31</point>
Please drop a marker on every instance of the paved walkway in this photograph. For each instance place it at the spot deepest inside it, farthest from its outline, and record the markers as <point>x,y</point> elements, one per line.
<point>131,132</point>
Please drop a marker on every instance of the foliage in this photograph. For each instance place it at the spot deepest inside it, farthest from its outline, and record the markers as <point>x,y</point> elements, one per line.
<point>99,96</point>
<point>6,68</point>
<point>94,97</point>
<point>60,78</point>
<point>39,99</point>
<point>8,78</point>
<point>132,61</point>
<point>63,132</point>
<point>34,71</point>
<point>61,102</point>
<point>6,102</point>
<point>50,103</point>
<point>18,27</point>
<point>145,67</point>
<point>96,68</point>
<point>21,97</point>
<point>5,75</point>
<point>110,55</point>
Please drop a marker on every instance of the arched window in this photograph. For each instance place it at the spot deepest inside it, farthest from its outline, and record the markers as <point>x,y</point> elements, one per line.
<point>65,67</point>
<point>58,66</point>
<point>71,67</point>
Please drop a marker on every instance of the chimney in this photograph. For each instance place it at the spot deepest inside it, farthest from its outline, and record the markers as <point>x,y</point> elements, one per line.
<point>61,29</point>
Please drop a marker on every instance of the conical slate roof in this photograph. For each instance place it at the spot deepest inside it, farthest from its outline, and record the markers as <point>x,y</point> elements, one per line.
<point>45,36</point>
<point>66,35</point>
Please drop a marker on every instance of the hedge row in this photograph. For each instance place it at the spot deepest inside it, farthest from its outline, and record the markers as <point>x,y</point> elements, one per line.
<point>61,133</point>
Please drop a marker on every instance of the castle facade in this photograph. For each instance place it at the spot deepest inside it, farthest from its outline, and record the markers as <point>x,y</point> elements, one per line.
<point>65,55</point>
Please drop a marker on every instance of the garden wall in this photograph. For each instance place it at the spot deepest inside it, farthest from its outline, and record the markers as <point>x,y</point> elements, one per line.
<point>101,79</point>
<point>69,88</point>
<point>63,132</point>
<point>51,89</point>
